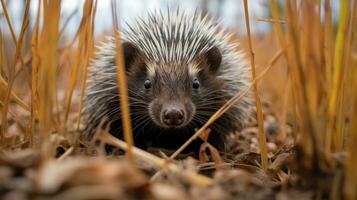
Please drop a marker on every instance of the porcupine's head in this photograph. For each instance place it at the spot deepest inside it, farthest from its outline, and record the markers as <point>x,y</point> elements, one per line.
<point>181,69</point>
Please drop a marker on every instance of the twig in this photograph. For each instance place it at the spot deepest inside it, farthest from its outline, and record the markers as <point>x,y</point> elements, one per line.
<point>66,154</point>
<point>152,159</point>
<point>279,21</point>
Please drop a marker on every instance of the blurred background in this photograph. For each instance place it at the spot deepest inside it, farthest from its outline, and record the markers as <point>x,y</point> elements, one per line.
<point>229,12</point>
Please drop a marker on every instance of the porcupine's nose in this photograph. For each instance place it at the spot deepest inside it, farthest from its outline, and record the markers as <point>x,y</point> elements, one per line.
<point>173,117</point>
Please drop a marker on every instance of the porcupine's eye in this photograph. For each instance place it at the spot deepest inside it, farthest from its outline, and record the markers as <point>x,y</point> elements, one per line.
<point>147,84</point>
<point>195,83</point>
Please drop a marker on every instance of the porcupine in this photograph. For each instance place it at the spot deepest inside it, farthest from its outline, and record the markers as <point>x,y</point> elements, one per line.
<point>180,70</point>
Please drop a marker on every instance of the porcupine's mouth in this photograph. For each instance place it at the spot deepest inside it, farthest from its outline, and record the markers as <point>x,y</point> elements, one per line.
<point>173,118</point>
<point>161,124</point>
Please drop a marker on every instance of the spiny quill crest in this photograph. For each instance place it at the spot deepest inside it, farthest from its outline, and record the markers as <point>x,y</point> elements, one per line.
<point>171,38</point>
<point>192,35</point>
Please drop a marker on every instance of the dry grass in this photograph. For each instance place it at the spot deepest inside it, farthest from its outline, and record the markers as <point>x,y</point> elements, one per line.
<point>258,104</point>
<point>313,88</point>
<point>124,101</point>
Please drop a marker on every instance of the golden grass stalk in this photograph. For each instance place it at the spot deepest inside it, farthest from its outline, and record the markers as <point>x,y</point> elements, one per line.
<point>258,104</point>
<point>337,75</point>
<point>152,159</point>
<point>48,70</point>
<point>12,72</point>
<point>302,87</point>
<point>328,39</point>
<point>6,14</point>
<point>351,161</point>
<point>3,59</point>
<point>88,53</point>
<point>25,23</point>
<point>81,52</point>
<point>351,91</point>
<point>283,134</point>
<point>277,26</point>
<point>347,61</point>
<point>122,86</point>
<point>34,75</point>
<point>311,52</point>
<point>282,41</point>
<point>351,172</point>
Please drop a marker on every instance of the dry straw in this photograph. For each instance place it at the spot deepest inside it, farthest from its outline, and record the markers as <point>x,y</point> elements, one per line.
<point>123,90</point>
<point>152,159</point>
<point>12,74</point>
<point>47,72</point>
<point>258,104</point>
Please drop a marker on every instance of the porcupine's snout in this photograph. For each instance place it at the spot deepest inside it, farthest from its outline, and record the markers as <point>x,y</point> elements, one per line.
<point>173,116</point>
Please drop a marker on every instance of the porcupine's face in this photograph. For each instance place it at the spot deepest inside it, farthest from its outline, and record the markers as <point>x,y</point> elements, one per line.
<point>169,93</point>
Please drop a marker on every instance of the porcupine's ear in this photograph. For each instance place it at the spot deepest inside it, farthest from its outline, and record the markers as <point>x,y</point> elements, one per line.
<point>212,58</point>
<point>132,55</point>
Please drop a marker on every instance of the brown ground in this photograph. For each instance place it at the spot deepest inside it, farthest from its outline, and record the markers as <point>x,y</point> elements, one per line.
<point>25,174</point>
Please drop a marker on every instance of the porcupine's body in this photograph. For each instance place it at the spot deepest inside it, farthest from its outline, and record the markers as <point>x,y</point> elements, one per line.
<point>180,70</point>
